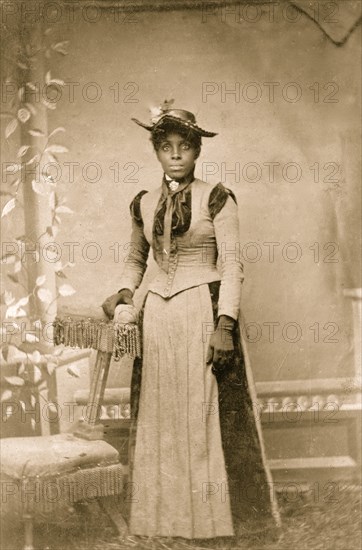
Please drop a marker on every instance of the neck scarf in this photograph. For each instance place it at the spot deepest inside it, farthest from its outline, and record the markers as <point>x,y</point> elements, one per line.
<point>172,216</point>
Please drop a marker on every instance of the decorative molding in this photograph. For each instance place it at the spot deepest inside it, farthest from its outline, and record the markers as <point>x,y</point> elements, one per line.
<point>309,385</point>
<point>343,393</point>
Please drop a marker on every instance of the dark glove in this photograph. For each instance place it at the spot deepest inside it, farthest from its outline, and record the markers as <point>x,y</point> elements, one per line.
<point>221,346</point>
<point>124,296</point>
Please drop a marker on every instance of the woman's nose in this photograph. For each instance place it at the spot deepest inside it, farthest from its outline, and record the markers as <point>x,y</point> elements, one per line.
<point>176,153</point>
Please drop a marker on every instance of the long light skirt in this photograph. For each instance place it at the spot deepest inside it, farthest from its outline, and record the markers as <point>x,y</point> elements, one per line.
<point>179,478</point>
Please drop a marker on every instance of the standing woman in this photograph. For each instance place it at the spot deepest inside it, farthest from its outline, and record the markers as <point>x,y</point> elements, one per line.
<point>199,467</point>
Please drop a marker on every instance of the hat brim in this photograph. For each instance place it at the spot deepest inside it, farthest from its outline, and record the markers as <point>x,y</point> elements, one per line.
<point>177,122</point>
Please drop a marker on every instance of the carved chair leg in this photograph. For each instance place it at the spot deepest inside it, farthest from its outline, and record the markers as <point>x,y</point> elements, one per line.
<point>113,506</point>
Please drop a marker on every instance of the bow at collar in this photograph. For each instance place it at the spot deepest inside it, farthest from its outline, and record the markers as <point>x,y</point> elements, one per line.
<point>172,217</point>
<point>181,206</point>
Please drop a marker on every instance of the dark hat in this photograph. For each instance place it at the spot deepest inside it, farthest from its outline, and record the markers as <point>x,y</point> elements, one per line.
<point>163,115</point>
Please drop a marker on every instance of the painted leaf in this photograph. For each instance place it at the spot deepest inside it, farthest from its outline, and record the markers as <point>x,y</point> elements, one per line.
<point>35,357</point>
<point>66,290</point>
<point>64,210</point>
<point>56,149</point>
<point>36,133</point>
<point>11,127</point>
<point>52,230</point>
<point>44,295</point>
<point>9,298</point>
<point>14,380</point>
<point>17,267</point>
<point>4,351</point>
<point>60,47</point>
<point>56,81</point>
<point>23,150</point>
<point>23,301</point>
<point>13,168</point>
<point>40,280</point>
<point>15,311</point>
<point>15,183</point>
<point>35,158</point>
<point>37,374</point>
<point>7,394</point>
<point>39,187</point>
<point>52,200</point>
<point>23,115</point>
<point>13,277</point>
<point>9,206</point>
<point>11,311</point>
<point>52,158</point>
<point>56,130</point>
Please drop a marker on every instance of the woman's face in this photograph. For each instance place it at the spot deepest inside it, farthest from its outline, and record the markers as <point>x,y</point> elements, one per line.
<point>177,156</point>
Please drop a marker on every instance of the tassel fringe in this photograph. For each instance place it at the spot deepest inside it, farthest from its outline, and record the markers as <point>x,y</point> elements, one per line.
<point>117,338</point>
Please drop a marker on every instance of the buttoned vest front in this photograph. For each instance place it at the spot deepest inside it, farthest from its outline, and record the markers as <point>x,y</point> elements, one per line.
<point>193,255</point>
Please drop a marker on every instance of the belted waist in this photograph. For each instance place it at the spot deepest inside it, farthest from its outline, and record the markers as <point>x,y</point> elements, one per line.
<point>181,277</point>
<point>199,256</point>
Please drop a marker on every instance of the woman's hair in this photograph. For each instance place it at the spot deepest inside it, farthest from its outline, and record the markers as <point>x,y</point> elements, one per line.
<point>159,134</point>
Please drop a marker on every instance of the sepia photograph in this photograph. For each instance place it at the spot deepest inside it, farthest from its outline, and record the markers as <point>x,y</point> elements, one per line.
<point>181,275</point>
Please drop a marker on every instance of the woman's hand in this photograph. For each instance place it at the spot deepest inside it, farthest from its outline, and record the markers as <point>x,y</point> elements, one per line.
<point>221,346</point>
<point>124,296</point>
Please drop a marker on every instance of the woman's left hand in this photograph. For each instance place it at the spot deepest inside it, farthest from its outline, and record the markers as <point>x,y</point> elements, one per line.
<point>221,346</point>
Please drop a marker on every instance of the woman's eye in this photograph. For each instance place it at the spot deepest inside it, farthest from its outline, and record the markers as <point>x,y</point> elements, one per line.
<point>186,146</point>
<point>165,147</point>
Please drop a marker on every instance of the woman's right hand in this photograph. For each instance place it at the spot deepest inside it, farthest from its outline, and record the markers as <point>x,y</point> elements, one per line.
<point>124,296</point>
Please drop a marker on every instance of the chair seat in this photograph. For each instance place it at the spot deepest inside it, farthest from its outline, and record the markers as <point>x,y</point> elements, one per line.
<point>48,474</point>
<point>52,455</point>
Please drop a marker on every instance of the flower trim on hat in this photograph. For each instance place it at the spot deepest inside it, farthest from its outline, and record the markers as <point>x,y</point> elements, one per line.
<point>158,112</point>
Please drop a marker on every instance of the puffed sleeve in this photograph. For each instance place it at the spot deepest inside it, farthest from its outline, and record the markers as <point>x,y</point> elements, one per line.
<point>136,261</point>
<point>224,213</point>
